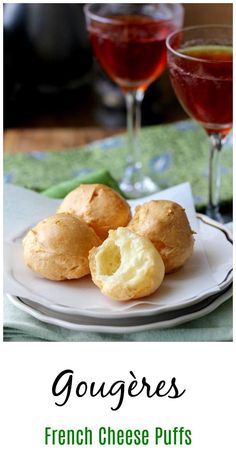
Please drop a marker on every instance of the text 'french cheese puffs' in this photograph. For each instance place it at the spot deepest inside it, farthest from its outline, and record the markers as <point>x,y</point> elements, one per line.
<point>99,206</point>
<point>126,266</point>
<point>165,223</point>
<point>57,247</point>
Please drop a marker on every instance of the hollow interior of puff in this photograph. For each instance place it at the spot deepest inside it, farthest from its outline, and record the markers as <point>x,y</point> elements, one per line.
<point>125,257</point>
<point>108,259</point>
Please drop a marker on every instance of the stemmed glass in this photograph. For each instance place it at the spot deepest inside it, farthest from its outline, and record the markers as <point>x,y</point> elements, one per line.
<point>200,64</point>
<point>128,40</point>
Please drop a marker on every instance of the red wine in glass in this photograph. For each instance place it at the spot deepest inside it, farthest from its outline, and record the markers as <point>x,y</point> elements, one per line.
<point>131,49</point>
<point>200,62</point>
<point>204,87</point>
<point>128,41</point>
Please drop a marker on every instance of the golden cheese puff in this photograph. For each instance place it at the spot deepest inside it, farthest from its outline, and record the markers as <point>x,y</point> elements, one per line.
<point>165,223</point>
<point>57,247</point>
<point>101,207</point>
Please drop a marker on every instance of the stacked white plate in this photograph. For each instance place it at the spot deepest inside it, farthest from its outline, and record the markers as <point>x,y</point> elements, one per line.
<point>203,284</point>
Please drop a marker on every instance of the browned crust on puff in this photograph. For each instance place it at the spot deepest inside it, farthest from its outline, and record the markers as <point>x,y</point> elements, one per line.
<point>100,206</point>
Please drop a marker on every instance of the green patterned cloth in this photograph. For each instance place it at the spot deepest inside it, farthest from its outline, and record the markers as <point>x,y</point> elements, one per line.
<point>171,154</point>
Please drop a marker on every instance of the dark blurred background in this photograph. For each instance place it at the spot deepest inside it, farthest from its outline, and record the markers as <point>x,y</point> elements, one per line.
<point>52,80</point>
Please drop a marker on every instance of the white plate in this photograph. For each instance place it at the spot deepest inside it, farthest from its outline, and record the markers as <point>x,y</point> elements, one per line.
<point>207,272</point>
<point>217,244</point>
<point>123,325</point>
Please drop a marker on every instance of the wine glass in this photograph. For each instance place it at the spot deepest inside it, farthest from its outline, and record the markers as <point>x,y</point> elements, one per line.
<point>200,65</point>
<point>128,40</point>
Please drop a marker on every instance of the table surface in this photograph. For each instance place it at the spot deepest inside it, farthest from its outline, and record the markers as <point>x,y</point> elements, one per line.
<point>41,139</point>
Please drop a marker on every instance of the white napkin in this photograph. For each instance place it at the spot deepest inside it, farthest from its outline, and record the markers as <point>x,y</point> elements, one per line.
<point>24,208</point>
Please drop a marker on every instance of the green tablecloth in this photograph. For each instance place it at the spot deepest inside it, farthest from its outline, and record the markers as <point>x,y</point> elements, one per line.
<point>217,326</point>
<point>172,154</point>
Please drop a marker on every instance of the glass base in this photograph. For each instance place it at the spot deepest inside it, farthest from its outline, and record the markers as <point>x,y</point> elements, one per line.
<point>136,185</point>
<point>214,214</point>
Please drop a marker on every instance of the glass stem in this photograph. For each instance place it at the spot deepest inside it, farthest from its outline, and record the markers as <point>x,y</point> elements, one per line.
<point>134,183</point>
<point>214,177</point>
<point>133,104</point>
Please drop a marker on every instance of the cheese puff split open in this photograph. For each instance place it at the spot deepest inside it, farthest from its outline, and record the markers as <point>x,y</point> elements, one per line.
<point>126,266</point>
